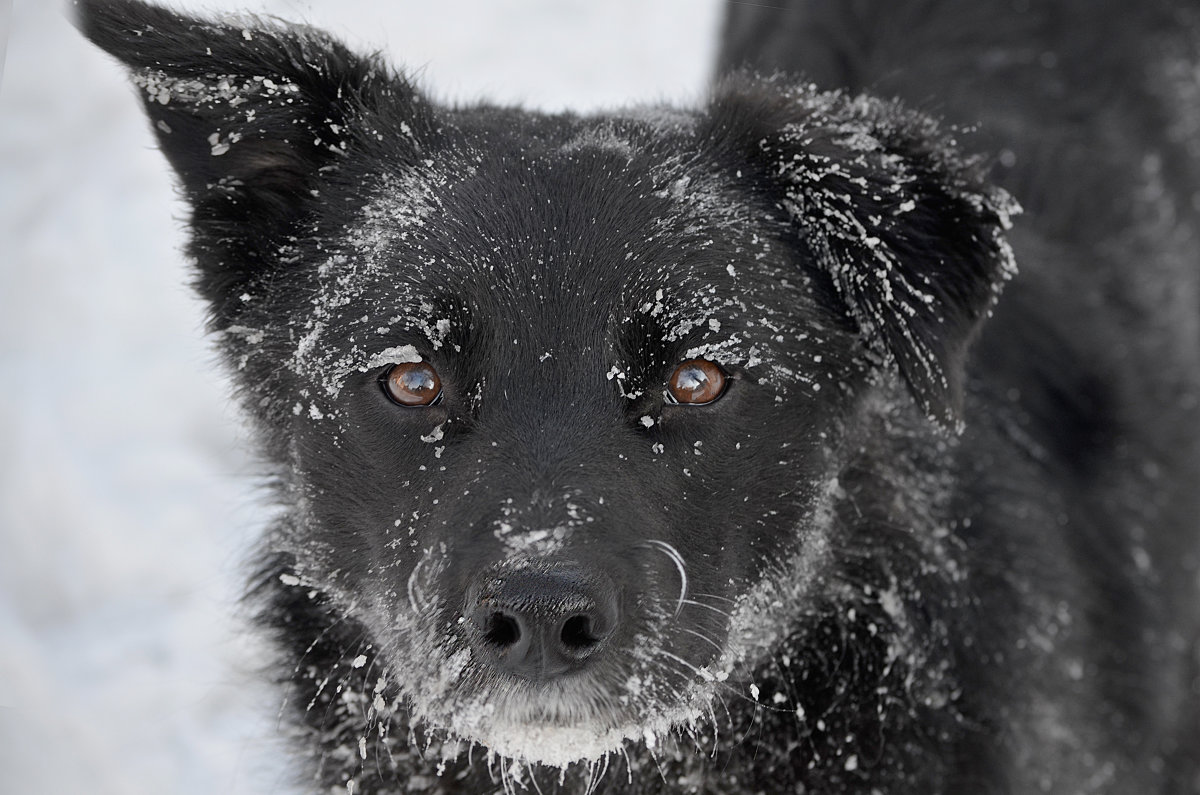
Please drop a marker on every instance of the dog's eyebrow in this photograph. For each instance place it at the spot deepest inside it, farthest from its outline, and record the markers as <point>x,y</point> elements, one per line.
<point>438,321</point>
<point>402,328</point>
<point>660,326</point>
<point>783,347</point>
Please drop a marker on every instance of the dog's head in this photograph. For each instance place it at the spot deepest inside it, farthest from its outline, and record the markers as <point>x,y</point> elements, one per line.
<point>560,402</point>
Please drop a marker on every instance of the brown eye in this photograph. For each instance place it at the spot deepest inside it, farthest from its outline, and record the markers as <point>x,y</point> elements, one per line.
<point>696,382</point>
<point>412,384</point>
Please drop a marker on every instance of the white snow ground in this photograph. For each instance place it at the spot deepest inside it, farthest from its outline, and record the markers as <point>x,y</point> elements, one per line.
<point>126,500</point>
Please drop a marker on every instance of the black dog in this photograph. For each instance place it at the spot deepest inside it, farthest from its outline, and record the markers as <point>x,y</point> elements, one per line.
<point>650,452</point>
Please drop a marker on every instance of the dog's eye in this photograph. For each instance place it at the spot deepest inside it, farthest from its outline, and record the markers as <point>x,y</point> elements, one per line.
<point>696,382</point>
<point>412,384</point>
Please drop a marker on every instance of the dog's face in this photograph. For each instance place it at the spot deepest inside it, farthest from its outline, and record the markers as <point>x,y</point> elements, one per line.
<point>559,403</point>
<point>549,396</point>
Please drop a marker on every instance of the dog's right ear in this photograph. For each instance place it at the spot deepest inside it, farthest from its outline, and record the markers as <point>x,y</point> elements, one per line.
<point>252,116</point>
<point>906,228</point>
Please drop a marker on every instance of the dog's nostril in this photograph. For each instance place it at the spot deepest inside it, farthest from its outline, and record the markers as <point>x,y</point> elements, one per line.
<point>578,635</point>
<point>501,630</point>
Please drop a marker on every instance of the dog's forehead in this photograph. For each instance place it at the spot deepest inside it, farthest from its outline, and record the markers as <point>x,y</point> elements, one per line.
<point>587,217</point>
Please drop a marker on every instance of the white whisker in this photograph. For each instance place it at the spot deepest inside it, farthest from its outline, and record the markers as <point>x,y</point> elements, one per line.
<point>716,610</point>
<point>677,559</point>
<point>415,597</point>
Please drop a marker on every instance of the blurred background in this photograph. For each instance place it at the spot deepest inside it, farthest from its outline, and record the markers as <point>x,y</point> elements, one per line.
<point>127,498</point>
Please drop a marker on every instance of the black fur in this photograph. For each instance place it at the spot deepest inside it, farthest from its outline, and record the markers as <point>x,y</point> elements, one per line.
<point>906,551</point>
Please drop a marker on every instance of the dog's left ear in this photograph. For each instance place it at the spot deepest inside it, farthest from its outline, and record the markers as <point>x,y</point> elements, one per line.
<point>905,226</point>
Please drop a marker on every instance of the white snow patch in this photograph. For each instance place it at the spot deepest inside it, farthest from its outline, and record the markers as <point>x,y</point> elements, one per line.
<point>400,354</point>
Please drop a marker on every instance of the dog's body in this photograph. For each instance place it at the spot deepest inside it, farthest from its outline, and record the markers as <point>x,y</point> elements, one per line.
<point>649,451</point>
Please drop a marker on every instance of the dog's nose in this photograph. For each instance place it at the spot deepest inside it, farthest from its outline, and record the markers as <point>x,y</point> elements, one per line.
<point>540,623</point>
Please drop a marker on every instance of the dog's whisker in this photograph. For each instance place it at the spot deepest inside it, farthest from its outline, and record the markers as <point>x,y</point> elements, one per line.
<point>414,597</point>
<point>713,596</point>
<point>717,610</point>
<point>674,556</point>
<point>704,638</point>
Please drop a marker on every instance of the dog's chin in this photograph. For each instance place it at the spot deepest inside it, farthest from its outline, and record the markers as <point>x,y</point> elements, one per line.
<point>552,745</point>
<point>559,726</point>
<point>556,744</point>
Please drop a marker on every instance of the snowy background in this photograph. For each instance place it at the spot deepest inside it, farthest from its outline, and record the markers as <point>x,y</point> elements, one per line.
<point>126,499</point>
